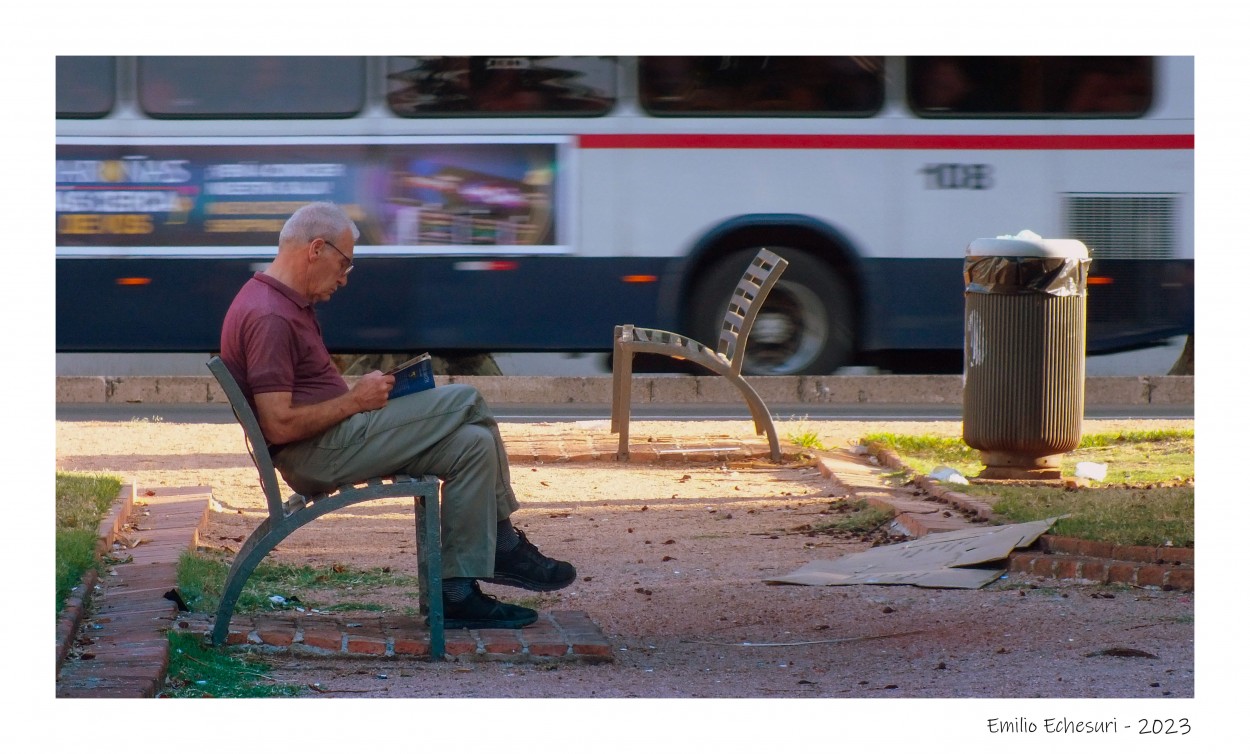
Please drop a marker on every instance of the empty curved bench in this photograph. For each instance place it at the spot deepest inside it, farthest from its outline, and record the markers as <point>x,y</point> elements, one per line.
<point>726,360</point>
<point>285,516</point>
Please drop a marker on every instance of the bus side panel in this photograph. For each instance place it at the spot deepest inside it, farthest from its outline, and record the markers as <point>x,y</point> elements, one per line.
<point>686,193</point>
<point>528,303</point>
<point>389,305</point>
<point>140,304</point>
<point>950,198</point>
<point>913,303</point>
<point>1135,301</point>
<point>919,303</point>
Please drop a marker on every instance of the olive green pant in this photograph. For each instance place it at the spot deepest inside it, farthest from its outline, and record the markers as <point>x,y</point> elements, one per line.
<point>448,432</point>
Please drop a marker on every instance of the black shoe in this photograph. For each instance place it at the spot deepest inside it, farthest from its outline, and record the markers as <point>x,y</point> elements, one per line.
<point>524,566</point>
<point>480,610</point>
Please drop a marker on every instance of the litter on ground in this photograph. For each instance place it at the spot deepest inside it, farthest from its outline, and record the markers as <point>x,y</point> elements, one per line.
<point>966,559</point>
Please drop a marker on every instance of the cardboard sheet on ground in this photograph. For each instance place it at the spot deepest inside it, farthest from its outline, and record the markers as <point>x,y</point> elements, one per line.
<point>947,560</point>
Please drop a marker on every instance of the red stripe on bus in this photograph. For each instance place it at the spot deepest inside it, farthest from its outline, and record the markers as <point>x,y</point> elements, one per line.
<point>883,141</point>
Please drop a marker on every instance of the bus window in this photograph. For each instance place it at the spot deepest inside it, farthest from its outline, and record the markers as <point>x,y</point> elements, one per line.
<point>749,86</point>
<point>84,86</point>
<point>251,87</point>
<point>485,86</point>
<point>1030,87</point>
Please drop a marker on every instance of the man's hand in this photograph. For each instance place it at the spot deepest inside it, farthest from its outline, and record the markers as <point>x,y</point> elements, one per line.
<point>284,423</point>
<point>371,390</point>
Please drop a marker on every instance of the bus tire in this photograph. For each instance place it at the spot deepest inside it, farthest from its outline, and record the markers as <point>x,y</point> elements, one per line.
<point>807,323</point>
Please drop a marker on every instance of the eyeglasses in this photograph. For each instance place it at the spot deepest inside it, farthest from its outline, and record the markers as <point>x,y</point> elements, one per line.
<point>346,258</point>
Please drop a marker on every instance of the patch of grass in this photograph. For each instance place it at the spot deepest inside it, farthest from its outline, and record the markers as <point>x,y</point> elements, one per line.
<point>1154,457</point>
<point>201,578</point>
<point>1160,516</point>
<point>198,672</point>
<point>804,436</point>
<point>75,555</point>
<point>83,499</point>
<point>864,518</point>
<point>1138,457</point>
<point>806,439</point>
<point>81,502</point>
<point>1152,435</point>
<point>1146,498</point>
<point>923,445</point>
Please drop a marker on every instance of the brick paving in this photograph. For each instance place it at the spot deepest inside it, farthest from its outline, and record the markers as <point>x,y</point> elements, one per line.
<point>558,635</point>
<point>111,636</point>
<point>116,645</point>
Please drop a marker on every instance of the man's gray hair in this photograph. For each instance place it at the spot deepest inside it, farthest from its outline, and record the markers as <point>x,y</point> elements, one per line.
<point>316,220</point>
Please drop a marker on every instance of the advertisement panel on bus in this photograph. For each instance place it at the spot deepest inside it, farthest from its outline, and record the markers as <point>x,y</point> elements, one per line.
<point>490,195</point>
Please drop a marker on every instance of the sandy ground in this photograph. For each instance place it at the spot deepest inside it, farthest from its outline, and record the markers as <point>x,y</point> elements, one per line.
<point>672,562</point>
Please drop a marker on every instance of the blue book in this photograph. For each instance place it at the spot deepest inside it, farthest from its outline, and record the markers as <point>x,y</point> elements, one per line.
<point>412,376</point>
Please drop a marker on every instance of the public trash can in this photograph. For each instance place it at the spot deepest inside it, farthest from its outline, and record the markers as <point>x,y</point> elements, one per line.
<point>1024,352</point>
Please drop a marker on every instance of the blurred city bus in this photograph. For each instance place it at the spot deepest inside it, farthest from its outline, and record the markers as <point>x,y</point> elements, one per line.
<point>514,204</point>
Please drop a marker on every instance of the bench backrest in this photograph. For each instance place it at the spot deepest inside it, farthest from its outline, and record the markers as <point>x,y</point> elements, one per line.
<point>256,445</point>
<point>745,304</point>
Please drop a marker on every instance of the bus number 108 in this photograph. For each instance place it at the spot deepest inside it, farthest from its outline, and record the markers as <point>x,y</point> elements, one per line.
<point>954,175</point>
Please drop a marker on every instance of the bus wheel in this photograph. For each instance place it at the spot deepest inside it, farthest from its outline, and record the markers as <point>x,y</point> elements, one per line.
<point>805,327</point>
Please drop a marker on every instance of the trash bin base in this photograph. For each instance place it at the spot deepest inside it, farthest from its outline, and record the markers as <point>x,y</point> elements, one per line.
<point>1004,465</point>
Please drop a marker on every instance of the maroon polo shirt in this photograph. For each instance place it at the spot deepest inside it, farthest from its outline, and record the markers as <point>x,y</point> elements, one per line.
<point>271,343</point>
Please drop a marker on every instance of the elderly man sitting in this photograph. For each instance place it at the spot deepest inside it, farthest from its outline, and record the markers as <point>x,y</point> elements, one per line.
<point>323,434</point>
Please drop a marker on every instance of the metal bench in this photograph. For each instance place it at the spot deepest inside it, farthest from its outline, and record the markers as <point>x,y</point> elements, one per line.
<point>287,516</point>
<point>744,306</point>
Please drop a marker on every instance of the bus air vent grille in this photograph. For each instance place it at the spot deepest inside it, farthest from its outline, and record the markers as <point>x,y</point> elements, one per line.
<point>1123,226</point>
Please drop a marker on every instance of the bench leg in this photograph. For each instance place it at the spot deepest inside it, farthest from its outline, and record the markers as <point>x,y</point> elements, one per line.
<point>254,549</point>
<point>622,391</point>
<point>759,413</point>
<point>617,355</point>
<point>430,571</point>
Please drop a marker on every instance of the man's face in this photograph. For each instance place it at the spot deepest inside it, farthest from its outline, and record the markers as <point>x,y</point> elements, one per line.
<point>332,261</point>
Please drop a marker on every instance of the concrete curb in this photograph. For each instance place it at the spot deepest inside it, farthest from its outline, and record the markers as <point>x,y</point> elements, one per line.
<point>662,389</point>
